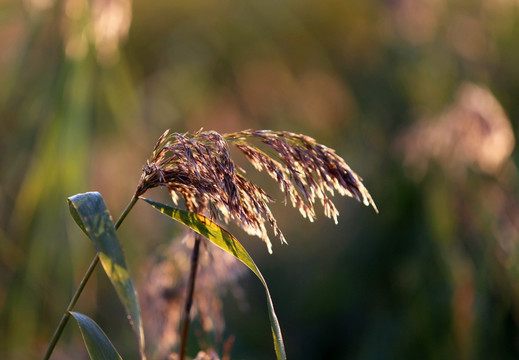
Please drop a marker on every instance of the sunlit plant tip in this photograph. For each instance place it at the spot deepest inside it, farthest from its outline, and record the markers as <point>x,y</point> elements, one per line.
<point>198,168</point>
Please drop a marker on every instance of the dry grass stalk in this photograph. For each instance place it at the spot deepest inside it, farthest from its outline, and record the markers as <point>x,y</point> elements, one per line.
<point>198,167</point>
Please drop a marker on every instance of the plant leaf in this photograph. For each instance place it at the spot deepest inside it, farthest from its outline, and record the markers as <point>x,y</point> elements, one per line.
<point>96,341</point>
<point>90,213</point>
<point>224,240</point>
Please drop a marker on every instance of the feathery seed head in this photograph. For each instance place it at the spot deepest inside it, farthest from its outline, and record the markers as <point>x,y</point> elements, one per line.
<point>198,168</point>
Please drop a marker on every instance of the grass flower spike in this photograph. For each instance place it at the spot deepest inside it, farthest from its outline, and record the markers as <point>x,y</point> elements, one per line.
<point>198,167</point>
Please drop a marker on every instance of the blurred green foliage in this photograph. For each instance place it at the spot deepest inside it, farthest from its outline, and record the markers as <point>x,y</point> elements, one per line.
<point>86,87</point>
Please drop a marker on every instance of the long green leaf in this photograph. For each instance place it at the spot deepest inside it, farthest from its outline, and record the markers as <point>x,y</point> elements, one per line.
<point>224,240</point>
<point>96,341</point>
<point>90,213</point>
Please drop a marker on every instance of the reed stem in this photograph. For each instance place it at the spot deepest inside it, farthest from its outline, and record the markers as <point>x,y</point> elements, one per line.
<point>189,299</point>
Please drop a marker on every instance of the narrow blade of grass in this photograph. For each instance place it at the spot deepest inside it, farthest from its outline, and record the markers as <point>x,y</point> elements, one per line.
<point>90,213</point>
<point>97,343</point>
<point>224,240</point>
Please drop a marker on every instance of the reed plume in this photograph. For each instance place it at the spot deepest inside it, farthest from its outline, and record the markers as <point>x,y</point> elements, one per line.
<point>198,167</point>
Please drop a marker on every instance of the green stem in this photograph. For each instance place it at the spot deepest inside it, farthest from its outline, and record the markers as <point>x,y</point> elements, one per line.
<point>189,299</point>
<point>81,286</point>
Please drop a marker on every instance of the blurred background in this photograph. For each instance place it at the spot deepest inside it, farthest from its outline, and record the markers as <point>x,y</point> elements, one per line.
<point>419,97</point>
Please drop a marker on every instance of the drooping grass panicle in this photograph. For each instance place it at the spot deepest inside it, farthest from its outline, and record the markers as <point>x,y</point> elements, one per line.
<point>314,168</point>
<point>198,167</point>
